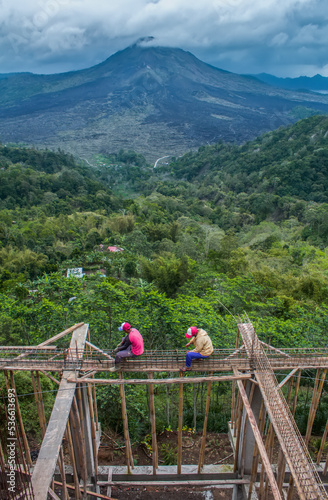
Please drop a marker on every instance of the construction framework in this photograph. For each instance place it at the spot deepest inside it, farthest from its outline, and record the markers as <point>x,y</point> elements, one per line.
<point>260,414</point>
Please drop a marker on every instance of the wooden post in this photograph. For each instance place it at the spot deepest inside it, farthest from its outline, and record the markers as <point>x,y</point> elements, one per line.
<point>203,443</point>
<point>180,427</point>
<point>153,425</point>
<point>125,426</point>
<point>314,404</point>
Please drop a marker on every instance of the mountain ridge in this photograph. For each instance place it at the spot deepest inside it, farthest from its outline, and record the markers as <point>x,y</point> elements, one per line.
<point>154,100</point>
<point>316,83</point>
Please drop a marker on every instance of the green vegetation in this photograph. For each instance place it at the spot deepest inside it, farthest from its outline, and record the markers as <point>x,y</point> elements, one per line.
<point>223,230</point>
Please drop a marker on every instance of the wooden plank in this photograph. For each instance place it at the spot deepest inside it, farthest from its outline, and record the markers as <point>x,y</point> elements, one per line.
<point>46,463</point>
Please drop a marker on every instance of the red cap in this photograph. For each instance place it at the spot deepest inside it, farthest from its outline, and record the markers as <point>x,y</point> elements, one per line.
<point>124,327</point>
<point>191,332</point>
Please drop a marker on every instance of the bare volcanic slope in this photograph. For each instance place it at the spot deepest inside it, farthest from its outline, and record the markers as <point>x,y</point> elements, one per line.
<point>154,100</point>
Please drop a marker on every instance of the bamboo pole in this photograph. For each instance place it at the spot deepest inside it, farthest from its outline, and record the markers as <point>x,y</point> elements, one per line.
<point>38,406</point>
<point>153,425</point>
<point>93,429</point>
<point>265,461</point>
<point>242,468</point>
<point>256,451</point>
<point>20,420</point>
<point>238,403</point>
<point>95,409</point>
<point>314,406</point>
<point>125,426</point>
<point>263,471</point>
<point>290,490</point>
<point>179,460</point>
<point>43,414</point>
<point>281,463</point>
<point>73,461</point>
<point>19,449</point>
<point>61,464</point>
<point>233,390</point>
<point>80,439</point>
<point>270,454</point>
<point>238,430</point>
<point>53,339</point>
<point>323,442</point>
<point>159,381</point>
<point>203,443</point>
<point>297,387</point>
<point>99,350</point>
<point>326,467</point>
<point>53,494</point>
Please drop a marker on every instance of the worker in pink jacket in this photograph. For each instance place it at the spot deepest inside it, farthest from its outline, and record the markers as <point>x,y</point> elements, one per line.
<point>130,346</point>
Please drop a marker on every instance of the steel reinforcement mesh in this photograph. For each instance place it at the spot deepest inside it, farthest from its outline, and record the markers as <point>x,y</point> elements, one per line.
<point>296,453</point>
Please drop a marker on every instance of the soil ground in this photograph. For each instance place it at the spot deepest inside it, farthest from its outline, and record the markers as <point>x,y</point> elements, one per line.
<point>171,493</point>
<point>218,449</point>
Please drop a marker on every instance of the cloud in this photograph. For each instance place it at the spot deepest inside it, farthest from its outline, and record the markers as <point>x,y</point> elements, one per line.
<point>277,36</point>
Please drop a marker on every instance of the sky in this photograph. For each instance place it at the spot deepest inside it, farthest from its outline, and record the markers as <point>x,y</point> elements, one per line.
<point>286,38</point>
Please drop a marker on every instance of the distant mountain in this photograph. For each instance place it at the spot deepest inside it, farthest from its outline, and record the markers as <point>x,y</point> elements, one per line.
<point>315,83</point>
<point>154,100</point>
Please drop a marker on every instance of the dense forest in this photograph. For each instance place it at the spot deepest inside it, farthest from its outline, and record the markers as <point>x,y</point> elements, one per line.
<point>200,240</point>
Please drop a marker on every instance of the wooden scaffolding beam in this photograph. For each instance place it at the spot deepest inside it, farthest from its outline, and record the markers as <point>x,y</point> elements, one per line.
<point>50,449</point>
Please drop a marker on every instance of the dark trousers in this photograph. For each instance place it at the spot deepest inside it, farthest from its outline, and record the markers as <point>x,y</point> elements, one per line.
<point>126,353</point>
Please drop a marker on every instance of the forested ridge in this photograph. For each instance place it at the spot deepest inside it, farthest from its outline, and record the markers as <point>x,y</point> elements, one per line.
<point>204,238</point>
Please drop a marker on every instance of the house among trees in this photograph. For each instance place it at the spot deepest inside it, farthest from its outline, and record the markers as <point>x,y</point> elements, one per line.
<point>76,271</point>
<point>111,248</point>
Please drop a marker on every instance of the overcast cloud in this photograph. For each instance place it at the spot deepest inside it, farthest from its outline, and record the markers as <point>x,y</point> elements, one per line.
<point>281,37</point>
